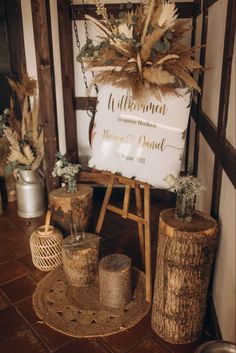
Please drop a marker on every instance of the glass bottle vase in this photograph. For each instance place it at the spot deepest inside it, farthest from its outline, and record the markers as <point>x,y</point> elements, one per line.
<point>71,185</point>
<point>184,207</point>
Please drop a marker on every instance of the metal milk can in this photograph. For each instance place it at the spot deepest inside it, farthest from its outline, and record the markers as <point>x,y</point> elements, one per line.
<point>30,194</point>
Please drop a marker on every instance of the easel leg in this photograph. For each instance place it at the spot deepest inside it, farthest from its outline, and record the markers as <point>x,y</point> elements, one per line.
<point>104,205</point>
<point>147,243</point>
<point>140,225</point>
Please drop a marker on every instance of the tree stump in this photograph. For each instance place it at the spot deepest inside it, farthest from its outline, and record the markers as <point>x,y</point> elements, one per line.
<point>80,260</point>
<point>115,280</point>
<point>184,261</point>
<point>71,208</point>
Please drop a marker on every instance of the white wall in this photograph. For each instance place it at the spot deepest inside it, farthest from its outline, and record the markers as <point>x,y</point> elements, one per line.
<point>224,286</point>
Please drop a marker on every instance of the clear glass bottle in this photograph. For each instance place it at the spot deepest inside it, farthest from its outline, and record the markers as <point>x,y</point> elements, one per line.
<point>71,185</point>
<point>184,207</point>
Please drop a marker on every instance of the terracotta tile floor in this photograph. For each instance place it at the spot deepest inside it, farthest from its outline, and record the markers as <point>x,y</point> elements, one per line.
<point>22,331</point>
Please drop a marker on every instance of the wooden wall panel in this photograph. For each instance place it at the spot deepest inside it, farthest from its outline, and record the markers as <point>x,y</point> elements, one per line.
<point>68,82</point>
<point>16,38</point>
<point>47,100</point>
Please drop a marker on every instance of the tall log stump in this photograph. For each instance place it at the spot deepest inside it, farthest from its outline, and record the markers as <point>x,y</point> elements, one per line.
<point>80,260</point>
<point>71,208</point>
<point>115,280</point>
<point>184,261</point>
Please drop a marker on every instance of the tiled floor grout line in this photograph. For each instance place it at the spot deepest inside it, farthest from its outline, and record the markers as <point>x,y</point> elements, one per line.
<point>14,279</point>
<point>136,343</point>
<point>30,272</point>
<point>3,262</point>
<point>29,325</point>
<point>99,339</point>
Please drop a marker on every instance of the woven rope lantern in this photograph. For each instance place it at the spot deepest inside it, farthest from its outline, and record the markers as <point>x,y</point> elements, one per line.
<point>45,245</point>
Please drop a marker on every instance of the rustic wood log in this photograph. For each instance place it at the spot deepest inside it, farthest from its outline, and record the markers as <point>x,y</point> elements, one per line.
<point>80,259</point>
<point>115,280</point>
<point>71,208</point>
<point>184,261</point>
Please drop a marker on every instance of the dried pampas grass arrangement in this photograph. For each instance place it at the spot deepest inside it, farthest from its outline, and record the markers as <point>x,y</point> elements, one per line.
<point>141,49</point>
<point>25,137</point>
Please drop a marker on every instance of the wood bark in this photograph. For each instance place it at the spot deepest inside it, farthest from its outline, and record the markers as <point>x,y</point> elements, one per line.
<point>80,260</point>
<point>184,261</point>
<point>71,208</point>
<point>115,280</point>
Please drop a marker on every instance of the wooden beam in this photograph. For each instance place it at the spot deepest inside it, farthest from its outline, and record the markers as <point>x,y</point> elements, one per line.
<point>47,99</point>
<point>16,45</point>
<point>209,3</point>
<point>205,126</point>
<point>16,38</point>
<point>228,161</point>
<point>185,9</point>
<point>227,151</point>
<point>200,81</point>
<point>187,143</point>
<point>83,103</point>
<point>68,81</point>
<point>223,104</point>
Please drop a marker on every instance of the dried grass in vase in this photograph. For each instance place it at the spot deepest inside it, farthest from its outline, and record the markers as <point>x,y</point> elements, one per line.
<point>25,137</point>
<point>141,50</point>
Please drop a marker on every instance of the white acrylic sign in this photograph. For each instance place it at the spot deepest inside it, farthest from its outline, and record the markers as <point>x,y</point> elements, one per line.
<point>144,141</point>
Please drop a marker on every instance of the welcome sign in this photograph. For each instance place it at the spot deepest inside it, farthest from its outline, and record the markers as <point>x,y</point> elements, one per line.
<point>143,141</point>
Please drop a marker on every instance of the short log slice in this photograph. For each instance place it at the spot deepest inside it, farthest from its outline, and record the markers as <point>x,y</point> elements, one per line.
<point>184,261</point>
<point>115,280</point>
<point>80,260</point>
<point>71,208</point>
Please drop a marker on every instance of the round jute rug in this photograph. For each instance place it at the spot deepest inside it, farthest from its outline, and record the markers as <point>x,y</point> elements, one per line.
<point>78,312</point>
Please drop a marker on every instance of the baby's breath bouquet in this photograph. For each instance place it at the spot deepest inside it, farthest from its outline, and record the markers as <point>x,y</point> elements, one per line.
<point>189,184</point>
<point>66,170</point>
<point>186,188</point>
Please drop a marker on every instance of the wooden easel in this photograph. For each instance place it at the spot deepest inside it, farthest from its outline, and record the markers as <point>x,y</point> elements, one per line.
<point>142,218</point>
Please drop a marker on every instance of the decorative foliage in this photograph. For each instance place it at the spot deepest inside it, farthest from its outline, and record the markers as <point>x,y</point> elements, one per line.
<point>26,136</point>
<point>188,185</point>
<point>66,170</point>
<point>141,49</point>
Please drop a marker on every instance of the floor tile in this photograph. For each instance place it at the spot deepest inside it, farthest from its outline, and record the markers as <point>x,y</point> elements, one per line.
<point>10,322</point>
<point>84,346</point>
<point>18,248</point>
<point>11,234</point>
<point>25,307</point>
<point>27,261</point>
<point>20,288</point>
<point>4,253</point>
<point>53,339</point>
<point>148,345</point>
<point>11,270</point>
<point>3,301</point>
<point>22,342</point>
<point>6,224</point>
<point>182,348</point>
<point>120,342</point>
<point>146,323</point>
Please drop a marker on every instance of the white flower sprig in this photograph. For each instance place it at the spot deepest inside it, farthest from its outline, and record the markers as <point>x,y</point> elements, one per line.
<point>189,185</point>
<point>64,168</point>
